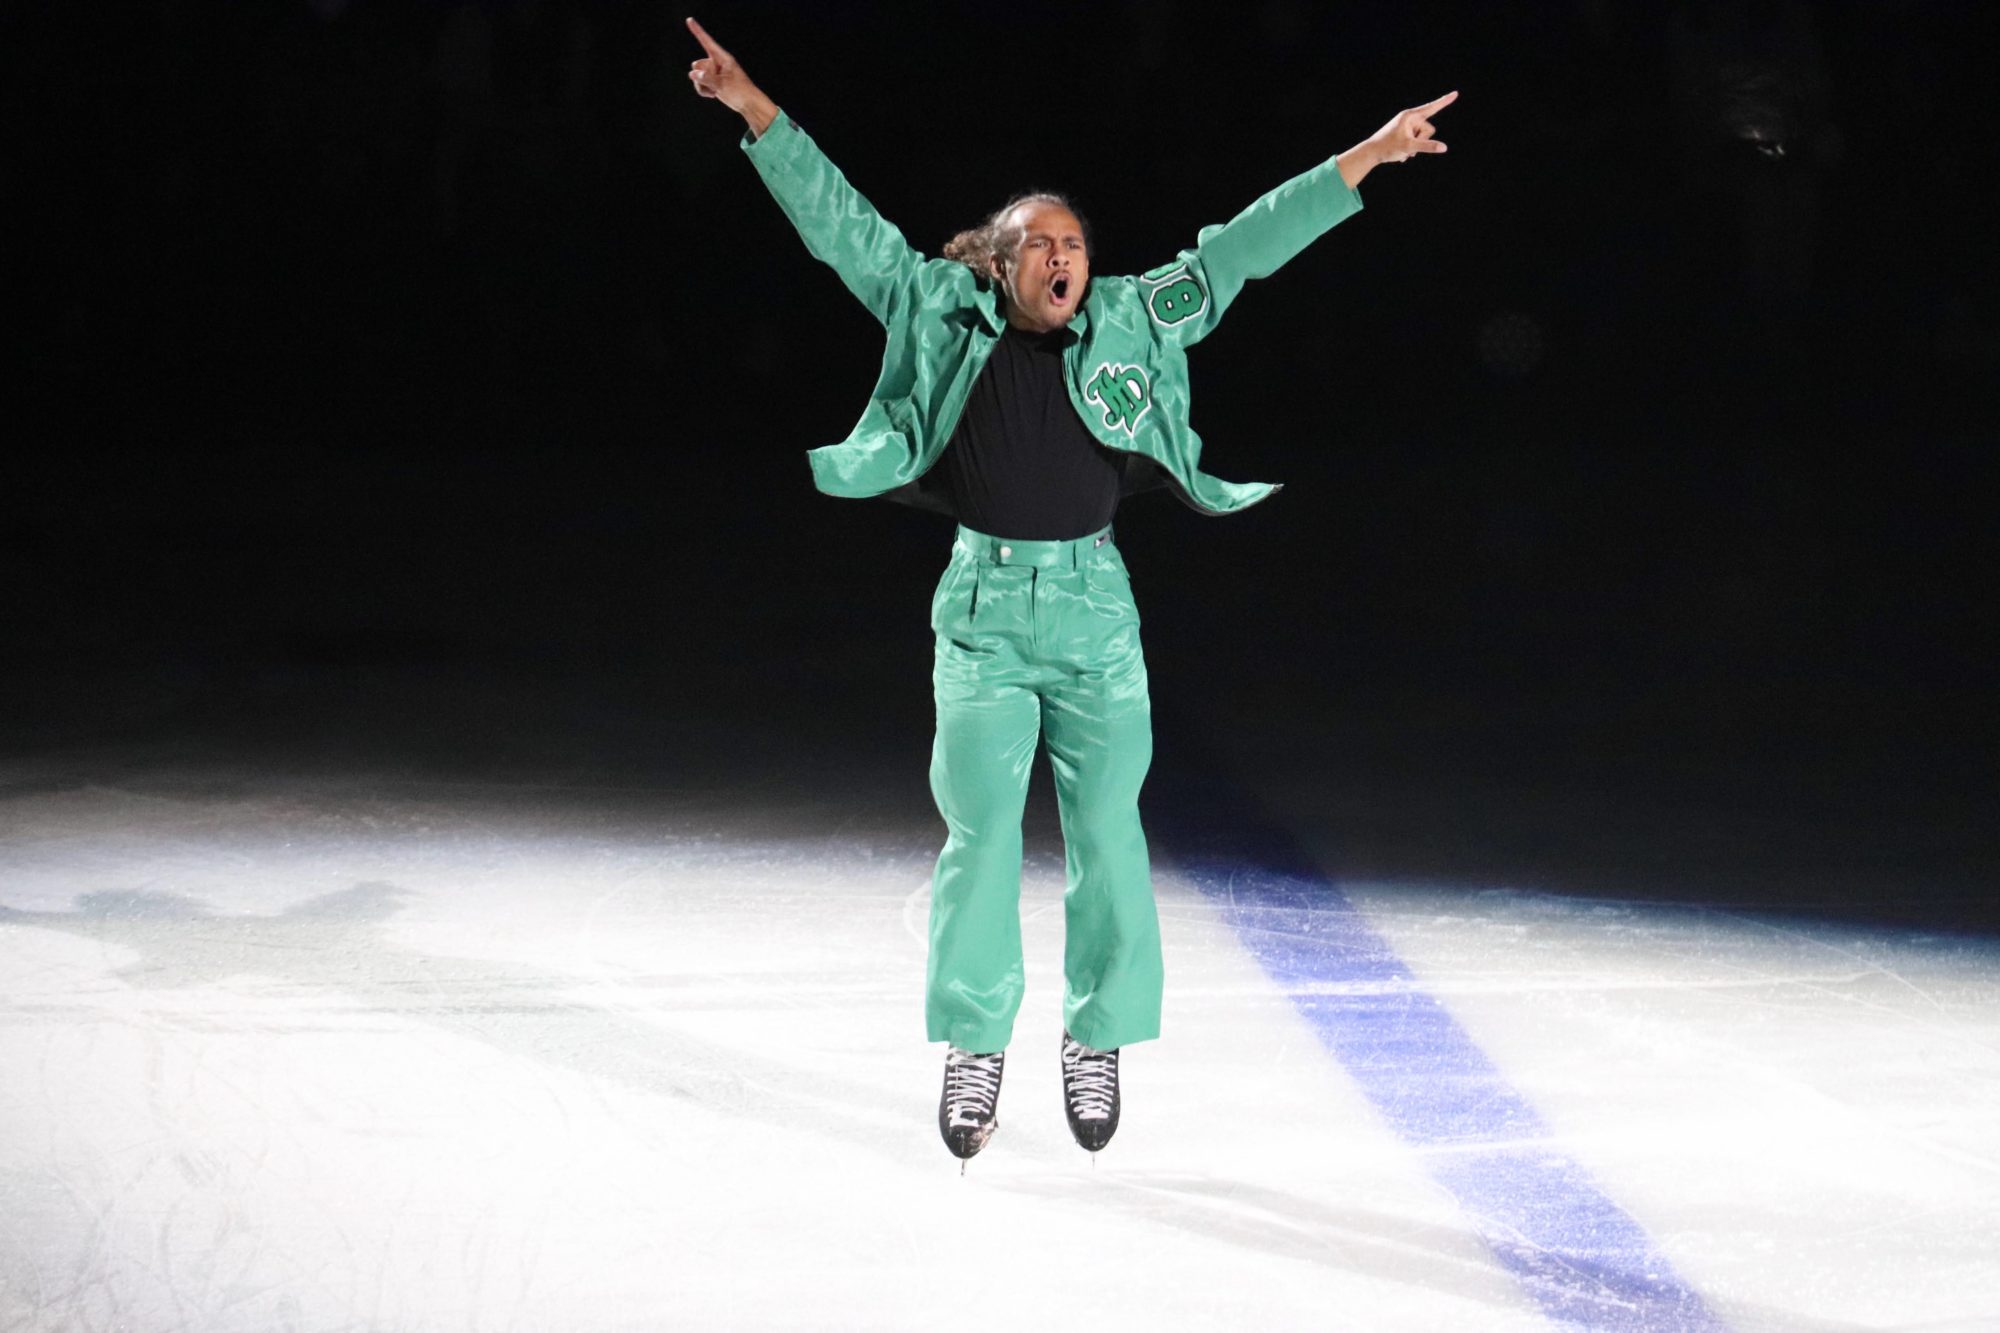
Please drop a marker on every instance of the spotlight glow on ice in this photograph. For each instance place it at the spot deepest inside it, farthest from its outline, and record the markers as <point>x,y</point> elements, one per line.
<point>323,1054</point>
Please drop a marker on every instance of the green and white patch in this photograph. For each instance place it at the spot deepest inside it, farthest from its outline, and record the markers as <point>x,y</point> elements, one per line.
<point>1174,295</point>
<point>1122,391</point>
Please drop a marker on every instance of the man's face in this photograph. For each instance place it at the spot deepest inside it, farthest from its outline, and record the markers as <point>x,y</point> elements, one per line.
<point>1046,274</point>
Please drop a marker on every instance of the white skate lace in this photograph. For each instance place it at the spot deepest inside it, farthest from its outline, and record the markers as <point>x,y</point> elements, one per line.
<point>971,1087</point>
<point>1090,1078</point>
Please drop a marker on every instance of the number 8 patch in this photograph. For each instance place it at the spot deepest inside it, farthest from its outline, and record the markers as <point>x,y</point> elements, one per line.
<point>1175,296</point>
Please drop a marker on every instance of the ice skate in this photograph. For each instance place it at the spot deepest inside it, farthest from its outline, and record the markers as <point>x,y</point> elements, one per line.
<point>968,1112</point>
<point>1090,1092</point>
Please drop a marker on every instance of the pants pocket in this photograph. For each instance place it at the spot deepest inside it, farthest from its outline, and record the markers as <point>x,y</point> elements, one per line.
<point>1110,588</point>
<point>956,596</point>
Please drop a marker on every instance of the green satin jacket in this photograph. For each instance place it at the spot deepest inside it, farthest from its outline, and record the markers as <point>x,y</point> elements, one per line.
<point>1127,368</point>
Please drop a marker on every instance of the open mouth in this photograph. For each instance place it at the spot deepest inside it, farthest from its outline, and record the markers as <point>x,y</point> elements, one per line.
<point>1059,289</point>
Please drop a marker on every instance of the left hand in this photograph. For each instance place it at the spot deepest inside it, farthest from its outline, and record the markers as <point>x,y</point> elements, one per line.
<point>1409,133</point>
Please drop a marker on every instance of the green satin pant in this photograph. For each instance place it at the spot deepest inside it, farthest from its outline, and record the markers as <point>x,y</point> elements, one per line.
<point>1040,641</point>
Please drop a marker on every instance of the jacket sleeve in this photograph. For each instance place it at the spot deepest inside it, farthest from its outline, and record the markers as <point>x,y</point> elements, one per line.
<point>1186,298</point>
<point>839,226</point>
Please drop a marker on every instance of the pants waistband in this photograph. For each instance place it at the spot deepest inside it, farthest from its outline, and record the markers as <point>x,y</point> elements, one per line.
<point>991,550</point>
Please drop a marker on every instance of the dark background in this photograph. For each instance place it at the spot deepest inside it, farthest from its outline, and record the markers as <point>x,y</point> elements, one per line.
<point>433,381</point>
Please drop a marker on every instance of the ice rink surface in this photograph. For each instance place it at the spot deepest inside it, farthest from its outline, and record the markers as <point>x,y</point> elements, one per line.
<point>354,1048</point>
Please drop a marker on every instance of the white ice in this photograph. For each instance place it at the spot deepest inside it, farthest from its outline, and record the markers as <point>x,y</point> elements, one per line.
<point>317,1053</point>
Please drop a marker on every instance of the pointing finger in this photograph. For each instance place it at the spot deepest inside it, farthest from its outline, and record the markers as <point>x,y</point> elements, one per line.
<point>714,48</point>
<point>1426,108</point>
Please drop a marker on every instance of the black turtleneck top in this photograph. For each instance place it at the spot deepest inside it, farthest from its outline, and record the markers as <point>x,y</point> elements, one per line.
<point>1020,462</point>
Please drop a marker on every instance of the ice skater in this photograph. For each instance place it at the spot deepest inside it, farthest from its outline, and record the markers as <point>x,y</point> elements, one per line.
<point>1026,397</point>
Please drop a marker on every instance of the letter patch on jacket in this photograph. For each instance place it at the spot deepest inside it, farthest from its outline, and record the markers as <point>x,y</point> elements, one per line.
<point>1174,295</point>
<point>1123,392</point>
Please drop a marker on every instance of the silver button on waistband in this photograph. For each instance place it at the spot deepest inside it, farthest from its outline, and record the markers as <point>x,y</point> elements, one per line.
<point>1006,552</point>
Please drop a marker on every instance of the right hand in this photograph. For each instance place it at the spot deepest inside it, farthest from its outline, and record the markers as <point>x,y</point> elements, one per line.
<point>720,77</point>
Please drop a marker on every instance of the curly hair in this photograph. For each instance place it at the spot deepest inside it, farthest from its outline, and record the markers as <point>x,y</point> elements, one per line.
<point>995,239</point>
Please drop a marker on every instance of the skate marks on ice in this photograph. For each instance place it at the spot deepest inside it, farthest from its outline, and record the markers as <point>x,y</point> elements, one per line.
<point>335,951</point>
<point>1389,1247</point>
<point>260,1120</point>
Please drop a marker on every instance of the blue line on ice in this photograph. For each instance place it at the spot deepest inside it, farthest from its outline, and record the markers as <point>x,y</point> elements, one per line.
<point>1581,1257</point>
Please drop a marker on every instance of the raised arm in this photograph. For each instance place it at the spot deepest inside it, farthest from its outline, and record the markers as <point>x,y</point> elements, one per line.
<point>1189,295</point>
<point>839,225</point>
<point>718,75</point>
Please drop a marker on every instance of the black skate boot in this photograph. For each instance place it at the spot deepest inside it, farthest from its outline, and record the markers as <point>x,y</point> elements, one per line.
<point>969,1110</point>
<point>1090,1092</point>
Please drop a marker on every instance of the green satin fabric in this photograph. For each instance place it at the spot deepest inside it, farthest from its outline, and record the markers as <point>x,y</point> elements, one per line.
<point>940,325</point>
<point>1039,642</point>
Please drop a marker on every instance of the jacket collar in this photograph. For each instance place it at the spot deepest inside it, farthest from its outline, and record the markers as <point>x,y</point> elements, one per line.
<point>987,299</point>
